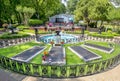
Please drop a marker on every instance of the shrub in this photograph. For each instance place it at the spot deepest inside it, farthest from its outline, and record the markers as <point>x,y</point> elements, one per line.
<point>21,27</point>
<point>102,35</point>
<point>109,29</point>
<point>118,31</point>
<point>93,25</point>
<point>35,22</point>
<point>13,36</point>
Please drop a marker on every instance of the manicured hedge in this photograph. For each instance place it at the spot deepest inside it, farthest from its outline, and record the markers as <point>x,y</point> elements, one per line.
<point>103,34</point>
<point>21,27</point>
<point>13,36</point>
<point>34,22</point>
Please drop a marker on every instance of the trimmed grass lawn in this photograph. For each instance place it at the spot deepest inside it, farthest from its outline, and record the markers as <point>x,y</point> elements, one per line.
<point>103,54</point>
<point>106,44</point>
<point>33,31</point>
<point>38,58</point>
<point>72,58</point>
<point>14,50</point>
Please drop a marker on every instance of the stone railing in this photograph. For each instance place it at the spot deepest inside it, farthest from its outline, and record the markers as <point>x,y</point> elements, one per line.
<point>114,40</point>
<point>10,42</point>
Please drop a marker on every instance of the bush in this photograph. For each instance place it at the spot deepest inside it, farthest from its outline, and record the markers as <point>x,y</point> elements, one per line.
<point>102,35</point>
<point>109,29</point>
<point>35,22</point>
<point>21,27</point>
<point>93,25</point>
<point>13,36</point>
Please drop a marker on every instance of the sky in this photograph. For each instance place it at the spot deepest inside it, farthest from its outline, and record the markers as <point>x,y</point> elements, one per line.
<point>64,2</point>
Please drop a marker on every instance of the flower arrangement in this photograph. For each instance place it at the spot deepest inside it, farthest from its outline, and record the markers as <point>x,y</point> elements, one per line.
<point>45,53</point>
<point>52,42</point>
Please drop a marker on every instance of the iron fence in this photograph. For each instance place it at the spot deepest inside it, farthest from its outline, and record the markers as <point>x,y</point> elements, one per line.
<point>58,71</point>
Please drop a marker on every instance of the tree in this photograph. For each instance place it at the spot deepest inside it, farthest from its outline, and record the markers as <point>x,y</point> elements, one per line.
<point>114,17</point>
<point>71,6</point>
<point>43,10</point>
<point>93,10</point>
<point>25,13</point>
<point>47,8</point>
<point>83,10</point>
<point>100,11</point>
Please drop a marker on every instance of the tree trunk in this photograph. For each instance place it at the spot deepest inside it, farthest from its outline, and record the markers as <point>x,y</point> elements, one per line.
<point>0,23</point>
<point>96,24</point>
<point>101,23</point>
<point>18,17</point>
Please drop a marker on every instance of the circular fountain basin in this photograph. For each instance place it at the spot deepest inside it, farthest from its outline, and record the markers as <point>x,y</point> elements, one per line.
<point>67,38</point>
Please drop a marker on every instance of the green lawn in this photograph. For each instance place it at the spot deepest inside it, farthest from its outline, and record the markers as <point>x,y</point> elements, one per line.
<point>33,31</point>
<point>103,54</point>
<point>71,58</point>
<point>106,44</point>
<point>14,50</point>
<point>38,58</point>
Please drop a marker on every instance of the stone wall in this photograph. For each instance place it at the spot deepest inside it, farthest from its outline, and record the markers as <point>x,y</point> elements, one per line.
<point>114,40</point>
<point>10,42</point>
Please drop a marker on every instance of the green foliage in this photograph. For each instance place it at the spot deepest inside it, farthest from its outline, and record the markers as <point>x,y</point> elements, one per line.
<point>72,5</point>
<point>38,58</point>
<point>14,50</point>
<point>83,9</point>
<point>13,36</point>
<point>93,10</point>
<point>72,58</point>
<point>103,35</point>
<point>25,13</point>
<point>103,54</point>
<point>22,27</point>
<point>114,14</point>
<point>34,22</point>
<point>93,25</point>
<point>118,31</point>
<point>109,29</point>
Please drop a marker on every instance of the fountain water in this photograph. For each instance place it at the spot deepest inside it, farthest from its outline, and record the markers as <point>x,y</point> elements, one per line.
<point>58,37</point>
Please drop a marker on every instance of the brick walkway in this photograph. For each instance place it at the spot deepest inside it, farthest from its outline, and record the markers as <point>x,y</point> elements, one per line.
<point>111,75</point>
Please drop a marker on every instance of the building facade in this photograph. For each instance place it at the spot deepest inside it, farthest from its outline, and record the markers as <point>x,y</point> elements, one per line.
<point>62,18</point>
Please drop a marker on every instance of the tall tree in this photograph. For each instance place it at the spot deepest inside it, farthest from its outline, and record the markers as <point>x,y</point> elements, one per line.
<point>83,10</point>
<point>93,10</point>
<point>71,6</point>
<point>100,11</point>
<point>25,13</point>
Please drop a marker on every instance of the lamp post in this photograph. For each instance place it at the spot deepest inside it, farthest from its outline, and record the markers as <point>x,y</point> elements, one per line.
<point>36,34</point>
<point>83,31</point>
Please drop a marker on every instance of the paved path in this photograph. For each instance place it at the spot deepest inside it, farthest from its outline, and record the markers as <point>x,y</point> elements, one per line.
<point>9,76</point>
<point>111,75</point>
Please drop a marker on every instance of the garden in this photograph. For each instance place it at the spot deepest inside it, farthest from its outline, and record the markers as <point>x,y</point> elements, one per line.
<point>36,41</point>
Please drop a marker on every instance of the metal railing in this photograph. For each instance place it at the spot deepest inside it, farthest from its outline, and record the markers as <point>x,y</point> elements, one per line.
<point>58,71</point>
